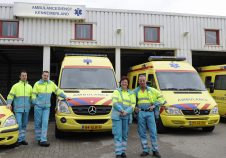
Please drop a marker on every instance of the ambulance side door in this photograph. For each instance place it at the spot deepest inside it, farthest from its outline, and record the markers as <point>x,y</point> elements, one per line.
<point>219,93</point>
<point>151,80</point>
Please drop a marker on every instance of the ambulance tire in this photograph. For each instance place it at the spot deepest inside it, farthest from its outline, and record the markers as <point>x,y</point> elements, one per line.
<point>160,127</point>
<point>208,129</point>
<point>13,145</point>
<point>58,133</point>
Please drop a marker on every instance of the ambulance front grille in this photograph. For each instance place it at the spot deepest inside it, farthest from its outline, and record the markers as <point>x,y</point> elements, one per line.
<point>96,110</point>
<point>92,121</point>
<point>192,112</point>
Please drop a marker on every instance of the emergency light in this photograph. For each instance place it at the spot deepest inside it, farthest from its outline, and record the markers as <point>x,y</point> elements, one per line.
<point>94,55</point>
<point>166,58</point>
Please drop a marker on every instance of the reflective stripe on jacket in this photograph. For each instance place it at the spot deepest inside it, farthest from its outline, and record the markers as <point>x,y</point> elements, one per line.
<point>149,96</point>
<point>20,95</point>
<point>42,91</point>
<point>122,101</point>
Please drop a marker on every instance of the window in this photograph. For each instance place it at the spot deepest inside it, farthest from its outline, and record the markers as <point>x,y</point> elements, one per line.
<point>134,82</point>
<point>152,34</point>
<point>83,32</point>
<point>151,81</point>
<point>220,81</point>
<point>88,78</point>
<point>2,102</point>
<point>212,37</point>
<point>208,81</point>
<point>180,81</point>
<point>9,29</point>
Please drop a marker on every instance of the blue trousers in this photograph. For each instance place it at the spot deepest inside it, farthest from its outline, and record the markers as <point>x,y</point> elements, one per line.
<point>22,120</point>
<point>147,120</point>
<point>120,129</point>
<point>41,118</point>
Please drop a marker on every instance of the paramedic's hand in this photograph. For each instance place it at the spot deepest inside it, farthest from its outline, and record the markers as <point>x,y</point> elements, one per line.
<point>68,98</point>
<point>9,107</point>
<point>151,107</point>
<point>124,113</point>
<point>136,109</point>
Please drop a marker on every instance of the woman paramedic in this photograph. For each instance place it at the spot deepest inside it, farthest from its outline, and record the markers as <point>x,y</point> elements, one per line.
<point>124,101</point>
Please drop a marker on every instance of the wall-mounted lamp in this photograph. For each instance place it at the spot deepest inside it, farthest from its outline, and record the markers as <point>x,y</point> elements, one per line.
<point>118,30</point>
<point>186,33</point>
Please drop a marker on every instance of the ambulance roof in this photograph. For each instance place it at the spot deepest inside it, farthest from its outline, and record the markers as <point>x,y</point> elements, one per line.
<point>164,66</point>
<point>212,67</point>
<point>86,61</point>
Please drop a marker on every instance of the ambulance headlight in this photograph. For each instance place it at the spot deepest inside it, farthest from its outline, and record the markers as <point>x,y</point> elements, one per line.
<point>63,107</point>
<point>173,111</point>
<point>10,121</point>
<point>214,110</point>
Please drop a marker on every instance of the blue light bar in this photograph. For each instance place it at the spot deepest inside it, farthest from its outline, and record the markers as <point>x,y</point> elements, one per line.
<point>166,58</point>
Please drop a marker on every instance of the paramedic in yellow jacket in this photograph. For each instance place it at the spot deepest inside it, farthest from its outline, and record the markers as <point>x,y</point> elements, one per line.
<point>41,98</point>
<point>123,106</point>
<point>20,96</point>
<point>148,99</point>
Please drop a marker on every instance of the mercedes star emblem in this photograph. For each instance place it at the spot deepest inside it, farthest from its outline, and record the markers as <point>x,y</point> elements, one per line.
<point>92,110</point>
<point>196,111</point>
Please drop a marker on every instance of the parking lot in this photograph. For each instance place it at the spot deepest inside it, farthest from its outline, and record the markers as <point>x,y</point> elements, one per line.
<point>182,143</point>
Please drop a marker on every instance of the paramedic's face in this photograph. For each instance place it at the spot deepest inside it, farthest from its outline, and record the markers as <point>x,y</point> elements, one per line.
<point>23,76</point>
<point>124,84</point>
<point>142,81</point>
<point>45,76</point>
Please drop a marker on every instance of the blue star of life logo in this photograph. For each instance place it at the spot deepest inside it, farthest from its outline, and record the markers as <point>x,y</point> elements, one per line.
<point>174,65</point>
<point>78,11</point>
<point>87,61</point>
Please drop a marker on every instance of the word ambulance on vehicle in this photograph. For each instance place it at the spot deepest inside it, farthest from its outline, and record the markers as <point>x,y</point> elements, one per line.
<point>90,82</point>
<point>188,102</point>
<point>214,78</point>
<point>8,126</point>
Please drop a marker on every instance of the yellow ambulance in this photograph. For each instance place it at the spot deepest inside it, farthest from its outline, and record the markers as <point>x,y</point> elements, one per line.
<point>188,102</point>
<point>214,78</point>
<point>8,125</point>
<point>90,82</point>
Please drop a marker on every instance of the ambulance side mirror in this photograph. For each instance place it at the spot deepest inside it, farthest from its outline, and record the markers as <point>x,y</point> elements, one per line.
<point>211,86</point>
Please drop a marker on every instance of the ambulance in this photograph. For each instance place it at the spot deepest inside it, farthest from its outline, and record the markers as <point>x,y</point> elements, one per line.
<point>90,82</point>
<point>8,125</point>
<point>188,102</point>
<point>214,78</point>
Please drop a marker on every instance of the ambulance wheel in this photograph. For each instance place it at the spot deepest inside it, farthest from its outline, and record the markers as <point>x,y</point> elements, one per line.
<point>208,129</point>
<point>160,127</point>
<point>58,133</point>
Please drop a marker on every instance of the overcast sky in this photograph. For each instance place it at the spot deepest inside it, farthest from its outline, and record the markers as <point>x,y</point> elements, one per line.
<point>210,7</point>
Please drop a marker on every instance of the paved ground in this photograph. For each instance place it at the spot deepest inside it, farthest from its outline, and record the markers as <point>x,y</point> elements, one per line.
<point>175,144</point>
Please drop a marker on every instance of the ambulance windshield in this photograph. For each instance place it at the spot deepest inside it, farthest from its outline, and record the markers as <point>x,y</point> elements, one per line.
<point>84,78</point>
<point>188,81</point>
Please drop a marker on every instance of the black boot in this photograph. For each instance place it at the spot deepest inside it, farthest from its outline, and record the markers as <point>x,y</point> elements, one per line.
<point>156,154</point>
<point>123,155</point>
<point>23,143</point>
<point>44,144</point>
<point>143,154</point>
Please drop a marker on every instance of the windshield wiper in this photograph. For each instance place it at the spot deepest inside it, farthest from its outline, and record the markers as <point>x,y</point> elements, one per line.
<point>169,89</point>
<point>191,89</point>
<point>99,88</point>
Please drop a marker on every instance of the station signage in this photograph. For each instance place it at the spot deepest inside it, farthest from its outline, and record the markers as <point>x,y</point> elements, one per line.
<point>51,11</point>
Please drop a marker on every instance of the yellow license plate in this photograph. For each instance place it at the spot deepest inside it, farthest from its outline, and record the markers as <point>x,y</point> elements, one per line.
<point>197,123</point>
<point>91,127</point>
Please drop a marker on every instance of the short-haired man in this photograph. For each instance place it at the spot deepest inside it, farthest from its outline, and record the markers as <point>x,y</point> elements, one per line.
<point>147,99</point>
<point>20,95</point>
<point>41,98</point>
